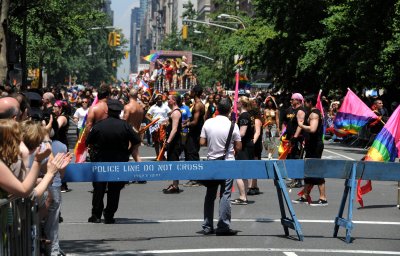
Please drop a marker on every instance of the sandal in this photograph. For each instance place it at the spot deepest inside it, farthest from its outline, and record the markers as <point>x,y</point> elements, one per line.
<point>171,190</point>
<point>239,201</point>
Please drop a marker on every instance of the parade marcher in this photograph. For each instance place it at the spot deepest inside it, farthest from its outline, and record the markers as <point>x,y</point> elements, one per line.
<point>99,111</point>
<point>215,134</point>
<point>62,117</point>
<point>257,139</point>
<point>246,127</point>
<point>173,141</point>
<point>192,146</point>
<point>80,114</point>
<point>111,140</point>
<point>295,115</point>
<point>314,147</point>
<point>271,117</point>
<point>158,110</point>
<point>134,114</point>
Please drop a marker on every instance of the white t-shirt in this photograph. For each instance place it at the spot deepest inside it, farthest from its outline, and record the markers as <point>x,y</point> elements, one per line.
<point>80,113</point>
<point>216,130</point>
<point>159,112</point>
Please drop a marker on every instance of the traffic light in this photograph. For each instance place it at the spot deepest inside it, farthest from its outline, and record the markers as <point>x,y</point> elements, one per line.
<point>111,39</point>
<point>184,32</point>
<point>117,39</point>
<point>126,55</point>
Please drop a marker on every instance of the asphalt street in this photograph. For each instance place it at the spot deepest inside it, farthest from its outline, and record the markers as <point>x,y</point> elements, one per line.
<point>152,223</point>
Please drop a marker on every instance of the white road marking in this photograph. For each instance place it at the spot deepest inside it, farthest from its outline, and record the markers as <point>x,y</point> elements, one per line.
<point>211,250</point>
<point>265,220</point>
<point>349,158</point>
<point>290,253</point>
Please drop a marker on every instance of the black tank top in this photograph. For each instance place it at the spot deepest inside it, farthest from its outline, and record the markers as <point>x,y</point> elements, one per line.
<point>196,130</point>
<point>177,137</point>
<point>314,138</point>
<point>291,119</point>
<point>63,131</point>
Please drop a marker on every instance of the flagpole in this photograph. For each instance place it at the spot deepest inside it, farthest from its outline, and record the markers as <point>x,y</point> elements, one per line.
<point>235,99</point>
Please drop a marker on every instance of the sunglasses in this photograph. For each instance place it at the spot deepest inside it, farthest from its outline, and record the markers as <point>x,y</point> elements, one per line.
<point>84,102</point>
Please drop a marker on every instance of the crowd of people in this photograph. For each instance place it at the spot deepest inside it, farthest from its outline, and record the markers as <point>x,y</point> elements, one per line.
<point>34,142</point>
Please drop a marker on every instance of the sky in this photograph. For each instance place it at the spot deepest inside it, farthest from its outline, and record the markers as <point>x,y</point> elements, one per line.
<point>122,17</point>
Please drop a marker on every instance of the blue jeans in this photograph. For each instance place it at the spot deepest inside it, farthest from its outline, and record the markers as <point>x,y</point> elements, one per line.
<point>51,224</point>
<point>224,220</point>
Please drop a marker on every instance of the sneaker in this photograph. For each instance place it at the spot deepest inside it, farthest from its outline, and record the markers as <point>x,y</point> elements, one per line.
<point>207,232</point>
<point>320,202</point>
<point>300,200</point>
<point>239,201</point>
<point>294,184</point>
<point>191,183</point>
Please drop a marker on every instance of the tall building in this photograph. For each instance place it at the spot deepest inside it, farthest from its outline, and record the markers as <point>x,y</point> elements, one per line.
<point>179,8</point>
<point>106,8</point>
<point>204,9</point>
<point>134,40</point>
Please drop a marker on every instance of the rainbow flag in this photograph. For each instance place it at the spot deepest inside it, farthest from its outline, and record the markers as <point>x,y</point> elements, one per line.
<point>80,146</point>
<point>142,84</point>
<point>385,148</point>
<point>153,56</point>
<point>352,115</point>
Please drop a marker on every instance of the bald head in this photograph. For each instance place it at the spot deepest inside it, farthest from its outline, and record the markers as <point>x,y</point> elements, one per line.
<point>48,99</point>
<point>133,93</point>
<point>9,108</point>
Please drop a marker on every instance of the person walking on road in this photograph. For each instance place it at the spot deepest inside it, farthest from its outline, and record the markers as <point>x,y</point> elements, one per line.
<point>173,139</point>
<point>314,147</point>
<point>215,135</point>
<point>134,114</point>
<point>195,124</point>
<point>111,140</point>
<point>294,133</point>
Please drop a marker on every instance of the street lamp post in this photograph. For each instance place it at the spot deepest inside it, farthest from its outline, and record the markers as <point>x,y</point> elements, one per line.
<point>227,16</point>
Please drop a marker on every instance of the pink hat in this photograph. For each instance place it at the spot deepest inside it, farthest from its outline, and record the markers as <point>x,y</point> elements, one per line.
<point>297,96</point>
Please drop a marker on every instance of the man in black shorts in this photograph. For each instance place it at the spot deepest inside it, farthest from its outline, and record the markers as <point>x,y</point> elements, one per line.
<point>314,147</point>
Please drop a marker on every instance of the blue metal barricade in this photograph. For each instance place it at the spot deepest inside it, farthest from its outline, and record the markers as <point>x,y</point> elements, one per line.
<point>19,227</point>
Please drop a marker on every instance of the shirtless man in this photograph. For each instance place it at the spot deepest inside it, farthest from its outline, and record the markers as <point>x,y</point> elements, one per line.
<point>99,111</point>
<point>133,114</point>
<point>195,124</point>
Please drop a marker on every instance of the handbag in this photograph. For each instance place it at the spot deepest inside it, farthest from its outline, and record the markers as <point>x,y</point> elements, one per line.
<point>210,183</point>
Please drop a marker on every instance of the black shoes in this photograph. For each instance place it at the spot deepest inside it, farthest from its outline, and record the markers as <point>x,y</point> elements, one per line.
<point>253,191</point>
<point>300,200</point>
<point>94,219</point>
<point>207,232</point>
<point>109,221</point>
<point>320,202</point>
<point>229,232</point>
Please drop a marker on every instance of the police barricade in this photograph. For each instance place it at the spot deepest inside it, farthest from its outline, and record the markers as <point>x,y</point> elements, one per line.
<point>19,227</point>
<point>278,170</point>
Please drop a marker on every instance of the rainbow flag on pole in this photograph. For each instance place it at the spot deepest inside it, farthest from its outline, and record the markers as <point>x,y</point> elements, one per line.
<point>385,148</point>
<point>352,115</point>
<point>153,56</point>
<point>80,146</point>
